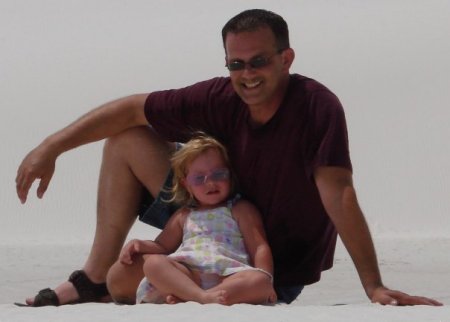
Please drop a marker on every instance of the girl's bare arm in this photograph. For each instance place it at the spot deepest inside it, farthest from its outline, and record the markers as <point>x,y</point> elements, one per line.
<point>252,229</point>
<point>165,243</point>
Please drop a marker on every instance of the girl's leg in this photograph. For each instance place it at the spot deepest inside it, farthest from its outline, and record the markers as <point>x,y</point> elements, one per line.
<point>122,280</point>
<point>171,277</point>
<point>250,286</point>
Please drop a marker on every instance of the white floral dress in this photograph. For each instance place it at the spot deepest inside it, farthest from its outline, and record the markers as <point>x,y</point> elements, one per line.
<point>212,244</point>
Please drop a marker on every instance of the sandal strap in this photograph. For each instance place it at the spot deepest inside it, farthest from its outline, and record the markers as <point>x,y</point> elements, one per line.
<point>46,297</point>
<point>88,291</point>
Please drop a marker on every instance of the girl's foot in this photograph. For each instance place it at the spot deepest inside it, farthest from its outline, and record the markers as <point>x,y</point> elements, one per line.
<point>172,299</point>
<point>219,297</point>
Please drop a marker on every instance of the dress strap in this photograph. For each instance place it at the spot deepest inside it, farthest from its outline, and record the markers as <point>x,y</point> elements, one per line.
<point>232,201</point>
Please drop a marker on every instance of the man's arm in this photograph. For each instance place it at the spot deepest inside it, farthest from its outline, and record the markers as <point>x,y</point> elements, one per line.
<point>339,198</point>
<point>102,122</point>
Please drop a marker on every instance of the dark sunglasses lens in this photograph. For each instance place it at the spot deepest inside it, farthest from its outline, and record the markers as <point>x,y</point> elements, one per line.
<point>236,65</point>
<point>258,62</point>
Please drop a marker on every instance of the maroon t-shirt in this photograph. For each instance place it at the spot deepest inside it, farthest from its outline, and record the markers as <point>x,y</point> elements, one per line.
<point>274,163</point>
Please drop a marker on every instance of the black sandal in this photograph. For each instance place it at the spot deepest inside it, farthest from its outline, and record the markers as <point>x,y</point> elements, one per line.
<point>88,291</point>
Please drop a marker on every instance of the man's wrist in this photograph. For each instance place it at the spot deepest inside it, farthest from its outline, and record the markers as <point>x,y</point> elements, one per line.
<point>370,289</point>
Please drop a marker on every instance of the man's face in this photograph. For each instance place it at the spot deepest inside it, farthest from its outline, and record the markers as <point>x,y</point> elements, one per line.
<point>258,87</point>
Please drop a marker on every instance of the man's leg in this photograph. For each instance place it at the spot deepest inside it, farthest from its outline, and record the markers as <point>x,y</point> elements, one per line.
<point>132,159</point>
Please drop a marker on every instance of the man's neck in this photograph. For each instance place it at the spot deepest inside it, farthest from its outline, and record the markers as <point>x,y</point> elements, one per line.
<point>261,114</point>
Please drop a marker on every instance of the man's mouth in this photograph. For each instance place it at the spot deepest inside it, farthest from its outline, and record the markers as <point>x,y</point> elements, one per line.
<point>251,85</point>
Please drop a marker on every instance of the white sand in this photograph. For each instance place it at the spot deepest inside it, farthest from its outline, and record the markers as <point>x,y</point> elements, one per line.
<point>417,266</point>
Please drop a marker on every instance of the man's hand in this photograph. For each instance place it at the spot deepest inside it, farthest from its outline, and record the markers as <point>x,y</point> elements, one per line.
<point>339,198</point>
<point>38,164</point>
<point>100,123</point>
<point>385,296</point>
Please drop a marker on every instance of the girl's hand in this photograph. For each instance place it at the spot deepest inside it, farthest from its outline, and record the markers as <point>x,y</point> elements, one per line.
<point>129,250</point>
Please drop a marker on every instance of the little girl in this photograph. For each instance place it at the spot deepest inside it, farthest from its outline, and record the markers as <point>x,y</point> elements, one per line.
<point>217,245</point>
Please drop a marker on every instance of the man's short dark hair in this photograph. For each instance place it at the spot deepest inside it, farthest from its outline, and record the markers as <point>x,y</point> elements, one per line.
<point>253,19</point>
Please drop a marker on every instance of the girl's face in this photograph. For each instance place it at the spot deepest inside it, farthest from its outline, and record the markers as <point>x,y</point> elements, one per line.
<point>208,179</point>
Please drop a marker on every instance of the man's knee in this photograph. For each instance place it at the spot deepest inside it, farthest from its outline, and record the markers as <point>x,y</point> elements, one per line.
<point>140,133</point>
<point>142,151</point>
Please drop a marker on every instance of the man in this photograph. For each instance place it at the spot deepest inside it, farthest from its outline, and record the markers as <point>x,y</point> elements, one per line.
<point>287,139</point>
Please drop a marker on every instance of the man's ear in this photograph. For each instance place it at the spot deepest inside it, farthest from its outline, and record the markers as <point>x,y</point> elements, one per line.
<point>288,56</point>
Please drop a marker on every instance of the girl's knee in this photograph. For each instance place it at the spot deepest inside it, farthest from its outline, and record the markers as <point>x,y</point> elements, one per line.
<point>257,279</point>
<point>113,281</point>
<point>120,284</point>
<point>154,262</point>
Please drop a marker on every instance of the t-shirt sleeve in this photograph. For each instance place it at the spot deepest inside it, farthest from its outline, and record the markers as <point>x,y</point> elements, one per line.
<point>328,135</point>
<point>178,113</point>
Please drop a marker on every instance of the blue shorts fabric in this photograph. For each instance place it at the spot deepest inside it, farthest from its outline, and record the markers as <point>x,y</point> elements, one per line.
<point>287,294</point>
<point>157,211</point>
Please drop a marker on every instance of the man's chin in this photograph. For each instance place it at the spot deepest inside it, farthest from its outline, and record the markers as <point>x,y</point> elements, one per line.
<point>251,100</point>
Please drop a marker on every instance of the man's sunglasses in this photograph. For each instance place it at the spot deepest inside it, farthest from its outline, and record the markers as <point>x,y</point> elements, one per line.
<point>254,63</point>
<point>215,175</point>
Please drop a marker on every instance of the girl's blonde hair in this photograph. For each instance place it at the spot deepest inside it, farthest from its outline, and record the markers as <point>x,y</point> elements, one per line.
<point>182,159</point>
